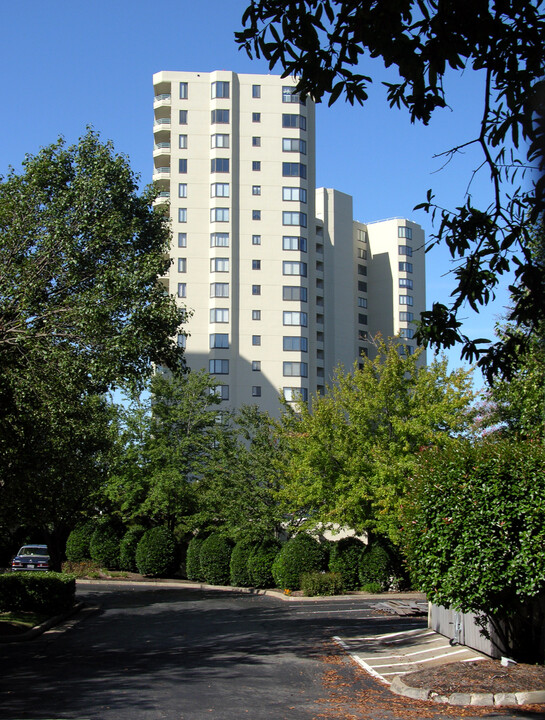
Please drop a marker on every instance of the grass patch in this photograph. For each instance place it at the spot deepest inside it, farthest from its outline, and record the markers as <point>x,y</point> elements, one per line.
<point>17,621</point>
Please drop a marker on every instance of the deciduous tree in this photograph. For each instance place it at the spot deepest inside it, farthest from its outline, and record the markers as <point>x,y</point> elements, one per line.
<point>81,311</point>
<point>168,444</point>
<point>238,492</point>
<point>350,455</point>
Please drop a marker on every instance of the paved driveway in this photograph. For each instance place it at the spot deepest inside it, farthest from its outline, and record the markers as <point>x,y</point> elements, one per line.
<point>170,654</point>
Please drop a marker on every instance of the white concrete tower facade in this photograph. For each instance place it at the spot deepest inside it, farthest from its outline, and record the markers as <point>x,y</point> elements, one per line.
<point>282,285</point>
<point>396,283</point>
<point>235,156</point>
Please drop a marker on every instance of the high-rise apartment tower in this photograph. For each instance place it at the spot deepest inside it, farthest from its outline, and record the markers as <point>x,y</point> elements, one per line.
<point>282,284</point>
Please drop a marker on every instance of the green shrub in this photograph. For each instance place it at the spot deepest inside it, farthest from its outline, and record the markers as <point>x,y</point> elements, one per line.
<point>238,566</point>
<point>104,545</point>
<point>77,545</point>
<point>127,548</point>
<point>215,557</point>
<point>475,534</point>
<point>261,561</point>
<point>193,559</point>
<point>373,587</point>
<point>299,555</point>
<point>156,552</point>
<point>344,558</point>
<point>48,592</point>
<point>376,566</point>
<point>320,583</point>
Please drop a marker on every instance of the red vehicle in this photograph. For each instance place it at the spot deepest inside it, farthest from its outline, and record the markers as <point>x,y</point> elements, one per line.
<point>31,557</point>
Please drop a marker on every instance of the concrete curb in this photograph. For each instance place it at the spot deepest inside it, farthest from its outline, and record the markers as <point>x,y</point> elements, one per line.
<point>186,584</point>
<point>46,625</point>
<point>534,697</point>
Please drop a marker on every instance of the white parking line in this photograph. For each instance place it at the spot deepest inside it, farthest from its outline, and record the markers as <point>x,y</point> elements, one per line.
<point>374,663</point>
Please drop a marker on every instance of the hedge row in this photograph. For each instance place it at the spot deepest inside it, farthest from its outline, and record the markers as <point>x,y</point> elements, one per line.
<point>42,592</point>
<point>351,564</point>
<point>218,561</point>
<point>149,552</point>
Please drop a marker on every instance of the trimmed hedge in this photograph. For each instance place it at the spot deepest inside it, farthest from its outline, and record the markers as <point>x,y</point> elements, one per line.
<point>43,592</point>
<point>193,559</point>
<point>299,555</point>
<point>127,547</point>
<point>77,545</point>
<point>344,558</point>
<point>376,567</point>
<point>320,583</point>
<point>104,546</point>
<point>215,556</point>
<point>156,552</point>
<point>261,561</point>
<point>238,565</point>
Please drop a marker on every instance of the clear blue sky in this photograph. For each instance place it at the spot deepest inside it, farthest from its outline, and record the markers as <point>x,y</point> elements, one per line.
<point>66,64</point>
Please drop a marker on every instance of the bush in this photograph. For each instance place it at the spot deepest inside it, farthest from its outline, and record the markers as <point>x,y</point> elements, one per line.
<point>215,557</point>
<point>238,566</point>
<point>373,587</point>
<point>48,592</point>
<point>299,555</point>
<point>156,552</point>
<point>261,561</point>
<point>193,559</point>
<point>474,534</point>
<point>375,567</point>
<point>104,545</point>
<point>320,583</point>
<point>77,545</point>
<point>127,548</point>
<point>344,558</point>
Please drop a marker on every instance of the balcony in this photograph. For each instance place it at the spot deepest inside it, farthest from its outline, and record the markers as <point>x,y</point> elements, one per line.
<point>162,175</point>
<point>162,100</point>
<point>161,152</point>
<point>161,123</point>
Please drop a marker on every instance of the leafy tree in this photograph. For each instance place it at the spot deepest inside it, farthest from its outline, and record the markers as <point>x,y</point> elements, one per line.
<point>351,454</point>
<point>81,254</point>
<point>81,311</point>
<point>169,442</point>
<point>474,534</point>
<point>52,479</point>
<point>324,42</point>
<point>516,406</point>
<point>238,490</point>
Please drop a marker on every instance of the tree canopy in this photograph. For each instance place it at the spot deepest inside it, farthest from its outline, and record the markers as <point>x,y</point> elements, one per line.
<point>167,441</point>
<point>350,456</point>
<point>325,44</point>
<point>81,311</point>
<point>80,255</point>
<point>237,493</point>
